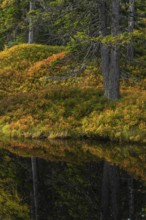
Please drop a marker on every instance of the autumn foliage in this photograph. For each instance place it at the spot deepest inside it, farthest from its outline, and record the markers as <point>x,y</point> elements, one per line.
<point>33,107</point>
<point>43,64</point>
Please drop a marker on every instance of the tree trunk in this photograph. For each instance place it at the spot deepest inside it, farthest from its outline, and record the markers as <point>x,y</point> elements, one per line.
<point>105,56</point>
<point>130,51</point>
<point>31,23</point>
<point>113,92</point>
<point>114,78</point>
<point>110,55</point>
<point>105,51</point>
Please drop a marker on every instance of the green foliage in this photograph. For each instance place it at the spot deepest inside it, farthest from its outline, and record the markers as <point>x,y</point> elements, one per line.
<point>13,23</point>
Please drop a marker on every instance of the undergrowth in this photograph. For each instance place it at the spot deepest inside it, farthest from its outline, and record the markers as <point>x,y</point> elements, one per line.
<point>35,106</point>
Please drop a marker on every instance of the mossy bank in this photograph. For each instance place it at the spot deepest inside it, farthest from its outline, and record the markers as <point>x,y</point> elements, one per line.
<point>33,107</point>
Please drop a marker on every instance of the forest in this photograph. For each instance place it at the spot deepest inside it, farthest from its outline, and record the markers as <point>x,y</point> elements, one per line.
<point>73,69</point>
<point>72,109</point>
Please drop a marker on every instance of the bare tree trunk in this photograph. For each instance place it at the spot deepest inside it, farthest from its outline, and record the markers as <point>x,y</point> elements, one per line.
<point>105,51</point>
<point>31,24</point>
<point>114,79</point>
<point>130,51</point>
<point>110,56</point>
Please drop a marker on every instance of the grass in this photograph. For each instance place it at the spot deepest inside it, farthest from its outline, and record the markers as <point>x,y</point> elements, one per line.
<point>32,107</point>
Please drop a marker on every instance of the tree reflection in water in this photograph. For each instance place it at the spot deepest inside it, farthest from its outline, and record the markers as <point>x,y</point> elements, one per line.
<point>35,188</point>
<point>110,191</point>
<point>70,184</point>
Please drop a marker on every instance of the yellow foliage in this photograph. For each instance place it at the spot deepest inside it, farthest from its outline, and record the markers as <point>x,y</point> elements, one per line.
<point>16,61</point>
<point>35,107</point>
<point>29,53</point>
<point>6,3</point>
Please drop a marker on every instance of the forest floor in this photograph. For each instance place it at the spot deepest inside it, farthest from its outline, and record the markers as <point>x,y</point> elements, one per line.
<point>40,100</point>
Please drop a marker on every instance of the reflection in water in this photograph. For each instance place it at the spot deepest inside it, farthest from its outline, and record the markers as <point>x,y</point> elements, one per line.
<point>64,189</point>
<point>35,188</point>
<point>131,197</point>
<point>110,192</point>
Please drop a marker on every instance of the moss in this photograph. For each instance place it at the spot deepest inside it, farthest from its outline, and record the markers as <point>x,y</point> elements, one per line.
<point>28,52</point>
<point>32,107</point>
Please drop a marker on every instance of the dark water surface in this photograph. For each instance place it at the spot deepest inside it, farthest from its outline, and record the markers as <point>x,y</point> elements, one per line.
<point>72,180</point>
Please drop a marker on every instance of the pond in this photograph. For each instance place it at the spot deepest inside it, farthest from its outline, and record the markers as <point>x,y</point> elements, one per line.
<point>72,180</point>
